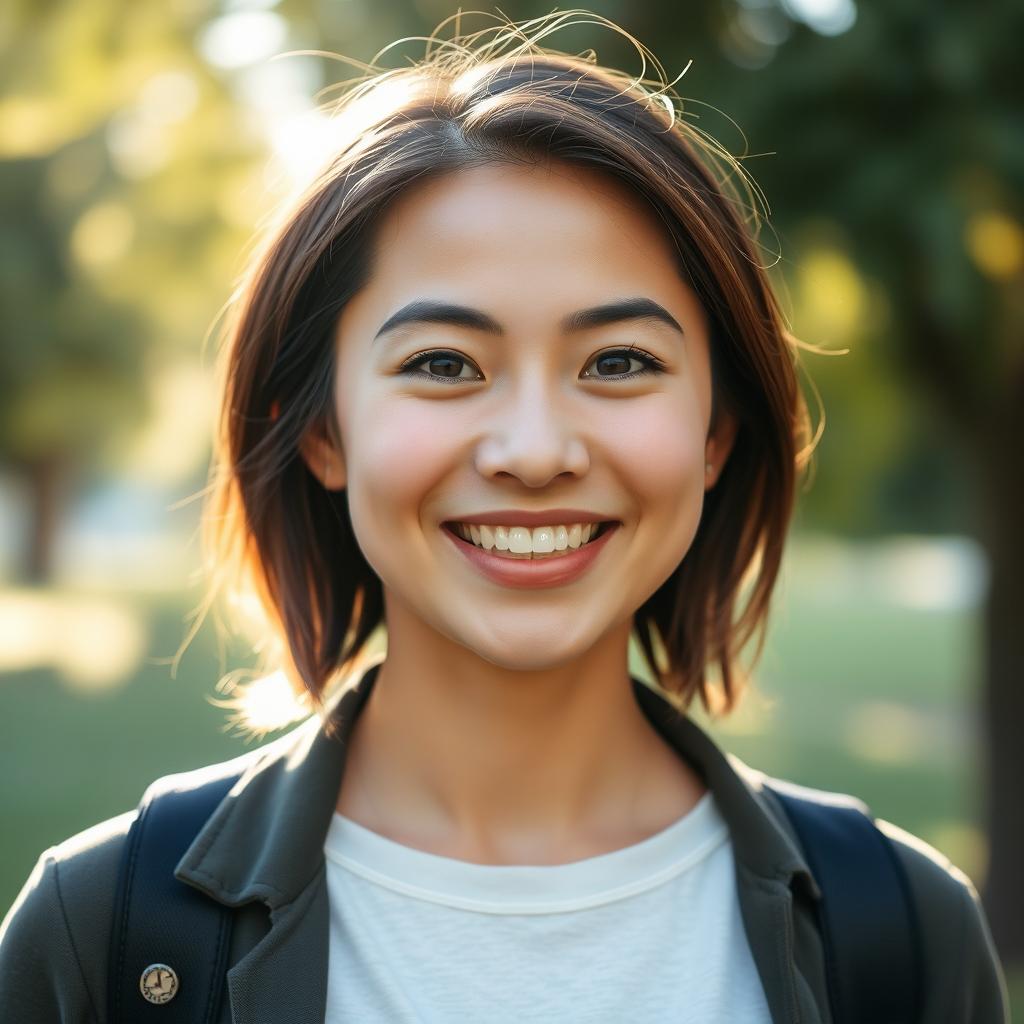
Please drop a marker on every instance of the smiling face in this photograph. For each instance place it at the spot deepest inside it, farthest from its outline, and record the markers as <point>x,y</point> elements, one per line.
<point>519,409</point>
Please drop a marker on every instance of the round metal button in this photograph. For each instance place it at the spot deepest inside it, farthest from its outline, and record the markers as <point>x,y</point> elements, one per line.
<point>159,983</point>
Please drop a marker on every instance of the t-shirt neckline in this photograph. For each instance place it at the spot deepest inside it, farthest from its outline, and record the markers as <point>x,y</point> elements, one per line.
<point>525,888</point>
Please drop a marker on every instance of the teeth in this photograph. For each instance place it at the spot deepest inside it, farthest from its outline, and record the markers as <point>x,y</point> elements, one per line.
<point>522,542</point>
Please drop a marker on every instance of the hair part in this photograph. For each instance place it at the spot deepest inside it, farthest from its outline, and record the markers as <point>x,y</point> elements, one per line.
<point>271,528</point>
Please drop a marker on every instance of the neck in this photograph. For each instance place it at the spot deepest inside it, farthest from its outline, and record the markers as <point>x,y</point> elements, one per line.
<point>499,767</point>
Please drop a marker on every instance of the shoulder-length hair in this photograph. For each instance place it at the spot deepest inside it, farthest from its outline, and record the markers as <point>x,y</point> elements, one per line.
<point>275,531</point>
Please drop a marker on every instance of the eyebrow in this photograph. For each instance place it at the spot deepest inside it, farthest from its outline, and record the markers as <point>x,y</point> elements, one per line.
<point>428,311</point>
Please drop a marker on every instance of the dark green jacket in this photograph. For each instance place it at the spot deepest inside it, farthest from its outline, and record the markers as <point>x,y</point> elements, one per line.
<point>262,851</point>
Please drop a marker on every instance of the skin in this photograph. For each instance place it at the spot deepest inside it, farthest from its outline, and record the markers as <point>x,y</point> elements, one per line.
<point>503,728</point>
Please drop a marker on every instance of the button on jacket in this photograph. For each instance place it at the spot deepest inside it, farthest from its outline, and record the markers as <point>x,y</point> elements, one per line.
<point>261,851</point>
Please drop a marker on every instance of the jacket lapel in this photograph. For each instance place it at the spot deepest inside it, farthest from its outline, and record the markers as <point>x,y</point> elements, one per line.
<point>775,887</point>
<point>284,976</point>
<point>264,842</point>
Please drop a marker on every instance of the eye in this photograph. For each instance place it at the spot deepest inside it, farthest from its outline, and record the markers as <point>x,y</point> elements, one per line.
<point>619,356</point>
<point>444,361</point>
<point>441,359</point>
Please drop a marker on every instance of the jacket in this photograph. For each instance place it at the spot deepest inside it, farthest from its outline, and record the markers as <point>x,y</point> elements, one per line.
<point>261,851</point>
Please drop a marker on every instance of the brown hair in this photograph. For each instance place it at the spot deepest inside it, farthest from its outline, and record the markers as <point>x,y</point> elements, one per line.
<point>276,531</point>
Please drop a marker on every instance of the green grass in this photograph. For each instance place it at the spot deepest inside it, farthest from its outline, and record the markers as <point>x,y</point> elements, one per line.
<point>862,698</point>
<point>70,758</point>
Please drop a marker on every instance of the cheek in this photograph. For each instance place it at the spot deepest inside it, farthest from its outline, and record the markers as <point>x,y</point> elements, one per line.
<point>400,449</point>
<point>397,450</point>
<point>659,448</point>
<point>661,459</point>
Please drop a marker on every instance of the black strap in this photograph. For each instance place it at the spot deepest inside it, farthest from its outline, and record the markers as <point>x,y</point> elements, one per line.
<point>867,920</point>
<point>160,920</point>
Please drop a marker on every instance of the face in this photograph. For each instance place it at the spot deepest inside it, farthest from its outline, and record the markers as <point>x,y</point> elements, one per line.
<point>517,409</point>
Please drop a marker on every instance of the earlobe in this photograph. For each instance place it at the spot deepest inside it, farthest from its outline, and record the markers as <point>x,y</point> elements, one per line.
<point>718,447</point>
<point>322,459</point>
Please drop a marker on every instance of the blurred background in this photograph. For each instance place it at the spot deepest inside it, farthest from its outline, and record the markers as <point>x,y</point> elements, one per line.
<point>141,144</point>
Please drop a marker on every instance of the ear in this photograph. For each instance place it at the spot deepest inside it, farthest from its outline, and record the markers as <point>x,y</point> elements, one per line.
<point>323,456</point>
<point>719,445</point>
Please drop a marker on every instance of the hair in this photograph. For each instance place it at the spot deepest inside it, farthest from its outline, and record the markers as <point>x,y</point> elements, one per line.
<point>276,533</point>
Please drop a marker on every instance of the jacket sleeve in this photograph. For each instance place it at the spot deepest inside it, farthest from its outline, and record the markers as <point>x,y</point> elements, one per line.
<point>985,995</point>
<point>41,976</point>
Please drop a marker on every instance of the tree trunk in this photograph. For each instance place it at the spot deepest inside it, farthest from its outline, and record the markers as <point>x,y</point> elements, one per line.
<point>46,477</point>
<point>1001,489</point>
<point>988,413</point>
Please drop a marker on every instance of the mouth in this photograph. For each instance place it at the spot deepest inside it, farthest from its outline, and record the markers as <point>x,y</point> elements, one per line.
<point>462,534</point>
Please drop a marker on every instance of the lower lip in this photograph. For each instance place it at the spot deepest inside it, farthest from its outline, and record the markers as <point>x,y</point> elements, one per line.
<point>533,572</point>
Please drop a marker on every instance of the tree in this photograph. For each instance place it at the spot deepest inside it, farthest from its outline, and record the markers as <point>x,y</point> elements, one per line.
<point>70,361</point>
<point>123,164</point>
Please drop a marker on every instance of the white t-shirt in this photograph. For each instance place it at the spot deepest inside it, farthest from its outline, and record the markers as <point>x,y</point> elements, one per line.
<point>648,933</point>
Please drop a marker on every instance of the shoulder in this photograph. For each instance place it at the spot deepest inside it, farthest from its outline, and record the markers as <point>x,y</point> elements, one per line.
<point>53,941</point>
<point>968,977</point>
<point>55,936</point>
<point>965,980</point>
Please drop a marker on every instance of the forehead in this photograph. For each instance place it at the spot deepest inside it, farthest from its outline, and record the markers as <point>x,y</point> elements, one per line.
<point>539,229</point>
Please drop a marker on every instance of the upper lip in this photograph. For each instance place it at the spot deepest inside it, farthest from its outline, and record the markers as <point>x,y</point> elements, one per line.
<point>517,517</point>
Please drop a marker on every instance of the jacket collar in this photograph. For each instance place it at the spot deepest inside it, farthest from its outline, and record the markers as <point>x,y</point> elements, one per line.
<point>265,842</point>
<point>265,839</point>
<point>761,841</point>
<point>280,809</point>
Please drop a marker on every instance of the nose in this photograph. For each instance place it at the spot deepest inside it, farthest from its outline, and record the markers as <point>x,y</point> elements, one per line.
<point>536,435</point>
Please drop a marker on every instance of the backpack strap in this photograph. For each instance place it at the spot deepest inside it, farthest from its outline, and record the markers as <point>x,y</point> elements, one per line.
<point>866,917</point>
<point>160,922</point>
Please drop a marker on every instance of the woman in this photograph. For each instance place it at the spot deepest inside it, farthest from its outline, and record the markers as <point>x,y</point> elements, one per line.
<point>510,378</point>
